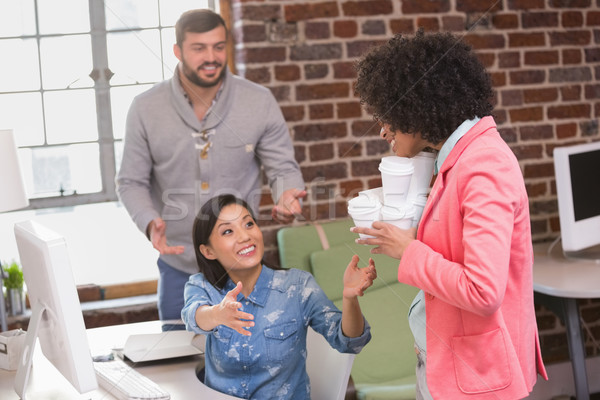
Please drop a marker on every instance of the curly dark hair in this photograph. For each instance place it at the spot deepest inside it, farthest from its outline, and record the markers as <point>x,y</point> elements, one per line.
<point>428,84</point>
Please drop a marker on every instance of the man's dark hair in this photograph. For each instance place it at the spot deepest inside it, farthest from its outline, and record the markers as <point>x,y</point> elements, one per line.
<point>427,84</point>
<point>197,21</point>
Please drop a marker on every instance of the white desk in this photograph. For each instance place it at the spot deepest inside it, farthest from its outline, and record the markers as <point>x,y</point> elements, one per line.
<point>177,376</point>
<point>558,283</point>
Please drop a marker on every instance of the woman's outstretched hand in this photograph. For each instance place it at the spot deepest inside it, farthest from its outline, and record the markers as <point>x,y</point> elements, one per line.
<point>229,314</point>
<point>357,280</point>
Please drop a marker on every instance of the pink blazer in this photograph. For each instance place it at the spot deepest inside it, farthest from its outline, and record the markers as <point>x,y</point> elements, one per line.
<point>473,259</point>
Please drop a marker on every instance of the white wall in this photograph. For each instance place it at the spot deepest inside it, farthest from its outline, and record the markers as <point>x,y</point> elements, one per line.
<point>104,244</point>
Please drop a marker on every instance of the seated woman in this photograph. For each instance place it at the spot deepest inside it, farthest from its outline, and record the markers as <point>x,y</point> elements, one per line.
<point>256,316</point>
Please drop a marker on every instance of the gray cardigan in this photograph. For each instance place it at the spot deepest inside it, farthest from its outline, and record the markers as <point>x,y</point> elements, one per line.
<point>163,173</point>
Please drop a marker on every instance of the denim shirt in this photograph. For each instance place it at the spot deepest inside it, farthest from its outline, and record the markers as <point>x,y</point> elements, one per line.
<point>270,364</point>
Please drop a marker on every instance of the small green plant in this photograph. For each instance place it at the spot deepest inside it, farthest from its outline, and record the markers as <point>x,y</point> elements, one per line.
<point>14,280</point>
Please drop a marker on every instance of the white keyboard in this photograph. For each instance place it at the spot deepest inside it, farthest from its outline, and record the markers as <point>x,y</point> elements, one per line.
<point>125,383</point>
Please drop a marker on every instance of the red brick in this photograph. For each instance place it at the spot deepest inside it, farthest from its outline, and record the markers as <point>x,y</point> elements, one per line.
<point>535,39</point>
<point>512,97</point>
<point>321,51</point>
<point>359,47</point>
<point>539,20</point>
<point>365,167</point>
<point>564,131</point>
<point>263,54</point>
<point>344,70</point>
<point>405,25</point>
<point>537,132</point>
<point>570,38</point>
<point>471,6</point>
<point>570,111</point>
<point>316,71</point>
<point>487,59</point>
<point>317,30</point>
<point>572,56</point>
<point>570,93</point>
<point>373,27</point>
<point>350,149</point>
<point>281,93</point>
<point>505,21</point>
<point>509,59</point>
<point>525,4</point>
<point>430,24</point>
<point>571,19</point>
<point>345,29</point>
<point>365,128</point>
<point>260,75</point>
<point>498,79</point>
<point>453,23</point>
<point>306,11</point>
<point>526,152</point>
<point>548,57</point>
<point>537,189</point>
<point>541,95</point>
<point>485,41</point>
<point>349,110</point>
<point>299,153</point>
<point>593,18</point>
<point>422,7</point>
<point>364,8</point>
<point>377,147</point>
<point>526,114</point>
<point>316,132</point>
<point>592,55</point>
<point>293,113</point>
<point>320,151</point>
<point>350,189</point>
<point>322,91</point>
<point>253,33</point>
<point>527,77</point>
<point>509,135</point>
<point>569,3</point>
<point>542,170</point>
<point>287,72</point>
<point>327,171</point>
<point>320,111</point>
<point>570,74</point>
<point>263,12</point>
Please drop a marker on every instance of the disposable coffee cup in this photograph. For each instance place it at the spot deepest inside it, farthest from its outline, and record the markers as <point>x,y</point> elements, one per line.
<point>375,194</point>
<point>364,211</point>
<point>418,204</point>
<point>396,173</point>
<point>421,178</point>
<point>402,217</point>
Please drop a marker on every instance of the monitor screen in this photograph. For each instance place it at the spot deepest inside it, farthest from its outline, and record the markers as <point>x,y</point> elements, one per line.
<point>56,318</point>
<point>578,193</point>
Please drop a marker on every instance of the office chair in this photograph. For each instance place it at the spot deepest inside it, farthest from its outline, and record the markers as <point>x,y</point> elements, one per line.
<point>327,368</point>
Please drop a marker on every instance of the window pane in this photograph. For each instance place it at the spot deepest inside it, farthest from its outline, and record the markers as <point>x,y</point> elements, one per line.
<point>118,154</point>
<point>70,116</point>
<point>134,57</point>
<point>126,14</point>
<point>17,18</point>
<point>66,62</point>
<point>171,10</point>
<point>48,171</point>
<point>120,100</point>
<point>21,71</point>
<point>63,16</point>
<point>23,113</point>
<point>169,59</point>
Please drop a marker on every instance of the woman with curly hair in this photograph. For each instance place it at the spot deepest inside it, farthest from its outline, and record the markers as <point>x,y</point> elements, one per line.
<point>474,321</point>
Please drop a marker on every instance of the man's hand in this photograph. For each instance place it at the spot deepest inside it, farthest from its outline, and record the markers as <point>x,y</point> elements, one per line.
<point>157,233</point>
<point>288,206</point>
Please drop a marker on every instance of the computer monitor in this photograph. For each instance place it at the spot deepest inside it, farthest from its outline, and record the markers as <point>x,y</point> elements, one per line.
<point>56,318</point>
<point>578,190</point>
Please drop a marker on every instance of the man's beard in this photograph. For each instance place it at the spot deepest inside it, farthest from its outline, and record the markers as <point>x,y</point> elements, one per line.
<point>193,77</point>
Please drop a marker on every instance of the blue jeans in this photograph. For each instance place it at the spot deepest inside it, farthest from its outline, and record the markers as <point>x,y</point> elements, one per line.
<point>170,295</point>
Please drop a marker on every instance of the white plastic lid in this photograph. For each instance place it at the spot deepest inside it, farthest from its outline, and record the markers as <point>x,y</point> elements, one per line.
<point>363,204</point>
<point>406,211</point>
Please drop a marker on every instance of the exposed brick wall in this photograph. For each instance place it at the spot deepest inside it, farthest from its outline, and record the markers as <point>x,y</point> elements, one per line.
<point>543,56</point>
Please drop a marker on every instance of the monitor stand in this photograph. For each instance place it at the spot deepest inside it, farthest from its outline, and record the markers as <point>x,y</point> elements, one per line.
<point>590,254</point>
<point>24,368</point>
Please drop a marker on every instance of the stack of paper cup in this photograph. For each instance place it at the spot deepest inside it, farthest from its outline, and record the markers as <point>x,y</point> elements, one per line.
<point>418,204</point>
<point>396,173</point>
<point>402,217</point>
<point>364,210</point>
<point>421,178</point>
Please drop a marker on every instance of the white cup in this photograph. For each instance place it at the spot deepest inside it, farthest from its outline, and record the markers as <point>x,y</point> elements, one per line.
<point>396,173</point>
<point>364,211</point>
<point>376,194</point>
<point>421,178</point>
<point>419,204</point>
<point>402,217</point>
